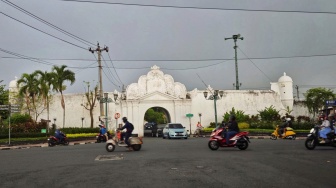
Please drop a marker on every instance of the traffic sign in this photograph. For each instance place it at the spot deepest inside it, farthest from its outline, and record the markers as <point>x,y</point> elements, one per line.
<point>189,115</point>
<point>331,103</point>
<point>116,115</point>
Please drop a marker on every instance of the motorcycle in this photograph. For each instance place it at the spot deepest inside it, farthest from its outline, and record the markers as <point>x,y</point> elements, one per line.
<point>313,139</point>
<point>102,138</point>
<point>240,140</point>
<point>135,143</point>
<point>288,133</point>
<point>52,141</point>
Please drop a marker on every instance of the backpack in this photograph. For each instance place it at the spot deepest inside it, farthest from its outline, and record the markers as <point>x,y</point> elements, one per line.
<point>132,127</point>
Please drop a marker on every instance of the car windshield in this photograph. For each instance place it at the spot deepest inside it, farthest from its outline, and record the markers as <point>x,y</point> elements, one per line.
<point>176,126</point>
<point>161,126</point>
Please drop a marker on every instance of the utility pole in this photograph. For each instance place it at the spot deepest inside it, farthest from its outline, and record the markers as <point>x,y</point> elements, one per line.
<point>235,37</point>
<point>99,50</point>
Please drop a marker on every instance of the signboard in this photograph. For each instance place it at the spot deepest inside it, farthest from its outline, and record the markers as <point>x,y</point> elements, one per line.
<point>43,130</point>
<point>116,115</point>
<point>189,115</point>
<point>331,103</point>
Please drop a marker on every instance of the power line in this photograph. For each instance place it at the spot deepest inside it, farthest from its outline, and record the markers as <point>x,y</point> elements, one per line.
<point>254,64</point>
<point>47,23</point>
<point>202,8</point>
<point>189,60</point>
<point>43,31</point>
<point>109,70</point>
<point>114,68</point>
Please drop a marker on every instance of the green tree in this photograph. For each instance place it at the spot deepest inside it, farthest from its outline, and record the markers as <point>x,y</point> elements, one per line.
<point>152,116</point>
<point>29,89</point>
<point>316,98</point>
<point>91,98</point>
<point>45,82</point>
<point>59,76</point>
<point>4,94</point>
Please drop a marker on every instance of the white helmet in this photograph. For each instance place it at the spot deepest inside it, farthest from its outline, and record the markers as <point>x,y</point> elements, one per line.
<point>288,119</point>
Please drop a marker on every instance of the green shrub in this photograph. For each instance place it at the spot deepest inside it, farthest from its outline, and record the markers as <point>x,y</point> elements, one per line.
<point>77,130</point>
<point>20,118</point>
<point>302,125</point>
<point>240,115</point>
<point>23,135</point>
<point>243,125</point>
<point>264,125</point>
<point>269,114</point>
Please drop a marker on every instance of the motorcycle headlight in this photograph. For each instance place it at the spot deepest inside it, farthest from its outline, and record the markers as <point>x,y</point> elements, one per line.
<point>312,130</point>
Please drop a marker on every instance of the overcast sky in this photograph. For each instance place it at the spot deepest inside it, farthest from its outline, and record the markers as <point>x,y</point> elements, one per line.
<point>154,33</point>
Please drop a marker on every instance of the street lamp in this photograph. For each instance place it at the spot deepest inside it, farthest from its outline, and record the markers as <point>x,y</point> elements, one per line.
<point>214,97</point>
<point>82,121</point>
<point>200,115</point>
<point>106,100</point>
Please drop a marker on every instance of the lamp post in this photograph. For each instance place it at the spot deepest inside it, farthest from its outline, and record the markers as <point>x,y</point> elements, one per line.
<point>82,121</point>
<point>214,97</point>
<point>106,100</point>
<point>200,115</point>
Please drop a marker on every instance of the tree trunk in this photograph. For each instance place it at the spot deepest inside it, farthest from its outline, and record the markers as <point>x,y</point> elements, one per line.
<point>91,115</point>
<point>63,106</point>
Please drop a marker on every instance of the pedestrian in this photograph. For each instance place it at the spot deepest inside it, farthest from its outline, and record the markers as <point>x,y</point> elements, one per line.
<point>199,129</point>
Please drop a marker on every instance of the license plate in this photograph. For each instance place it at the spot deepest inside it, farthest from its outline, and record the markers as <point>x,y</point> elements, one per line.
<point>178,134</point>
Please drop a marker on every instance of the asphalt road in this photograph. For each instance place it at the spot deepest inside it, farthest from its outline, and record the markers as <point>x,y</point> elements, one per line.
<point>171,163</point>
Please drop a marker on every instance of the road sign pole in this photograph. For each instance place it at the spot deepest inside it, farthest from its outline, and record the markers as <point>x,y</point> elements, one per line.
<point>190,125</point>
<point>9,125</point>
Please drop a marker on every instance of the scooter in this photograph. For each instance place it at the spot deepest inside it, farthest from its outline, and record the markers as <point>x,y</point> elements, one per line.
<point>52,141</point>
<point>312,139</point>
<point>288,133</point>
<point>102,138</point>
<point>240,140</point>
<point>135,142</point>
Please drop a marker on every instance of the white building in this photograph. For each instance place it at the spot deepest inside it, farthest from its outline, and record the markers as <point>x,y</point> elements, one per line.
<point>158,90</point>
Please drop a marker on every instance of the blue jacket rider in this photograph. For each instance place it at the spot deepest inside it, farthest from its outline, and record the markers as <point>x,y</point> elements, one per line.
<point>129,129</point>
<point>59,135</point>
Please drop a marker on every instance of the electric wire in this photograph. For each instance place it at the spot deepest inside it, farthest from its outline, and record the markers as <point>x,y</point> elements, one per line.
<point>109,70</point>
<point>202,8</point>
<point>114,68</point>
<point>106,74</point>
<point>47,23</point>
<point>254,64</point>
<point>190,60</point>
<point>43,31</point>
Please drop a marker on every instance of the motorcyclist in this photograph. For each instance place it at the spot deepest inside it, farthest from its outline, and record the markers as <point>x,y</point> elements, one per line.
<point>59,135</point>
<point>129,129</point>
<point>325,128</point>
<point>103,131</point>
<point>232,129</point>
<point>287,123</point>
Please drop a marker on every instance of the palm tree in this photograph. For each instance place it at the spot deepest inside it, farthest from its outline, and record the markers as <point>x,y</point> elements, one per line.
<point>29,89</point>
<point>59,76</point>
<point>45,81</point>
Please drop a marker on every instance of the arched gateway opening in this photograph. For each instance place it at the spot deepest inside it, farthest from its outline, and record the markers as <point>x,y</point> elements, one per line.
<point>155,119</point>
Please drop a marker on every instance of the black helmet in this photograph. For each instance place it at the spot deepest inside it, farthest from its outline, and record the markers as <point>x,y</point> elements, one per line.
<point>124,119</point>
<point>232,117</point>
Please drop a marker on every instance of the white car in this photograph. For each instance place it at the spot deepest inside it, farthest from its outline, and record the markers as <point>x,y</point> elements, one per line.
<point>174,130</point>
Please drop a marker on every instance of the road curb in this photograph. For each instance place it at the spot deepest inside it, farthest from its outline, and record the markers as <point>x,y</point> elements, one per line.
<point>41,145</point>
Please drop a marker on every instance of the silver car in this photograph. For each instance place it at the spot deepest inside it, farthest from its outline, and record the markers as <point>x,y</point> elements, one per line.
<point>174,130</point>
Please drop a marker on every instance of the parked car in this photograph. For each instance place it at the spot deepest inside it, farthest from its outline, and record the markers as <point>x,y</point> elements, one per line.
<point>150,129</point>
<point>174,130</point>
<point>159,131</point>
